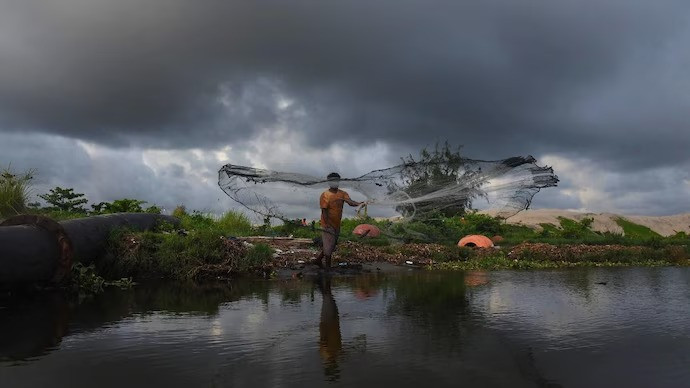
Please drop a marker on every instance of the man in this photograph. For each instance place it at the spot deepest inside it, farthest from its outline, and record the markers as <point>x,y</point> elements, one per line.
<point>330,339</point>
<point>331,203</point>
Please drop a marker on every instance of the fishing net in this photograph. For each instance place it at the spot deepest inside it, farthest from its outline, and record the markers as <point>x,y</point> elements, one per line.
<point>412,190</point>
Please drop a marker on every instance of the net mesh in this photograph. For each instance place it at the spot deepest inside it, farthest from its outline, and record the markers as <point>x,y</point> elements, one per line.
<point>412,189</point>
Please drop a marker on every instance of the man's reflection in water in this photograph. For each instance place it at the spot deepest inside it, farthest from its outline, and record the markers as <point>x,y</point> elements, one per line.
<point>330,341</point>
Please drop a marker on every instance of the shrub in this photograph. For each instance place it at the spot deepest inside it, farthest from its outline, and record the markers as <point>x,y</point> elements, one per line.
<point>478,223</point>
<point>15,190</point>
<point>235,223</point>
<point>257,256</point>
<point>180,211</point>
<point>197,220</point>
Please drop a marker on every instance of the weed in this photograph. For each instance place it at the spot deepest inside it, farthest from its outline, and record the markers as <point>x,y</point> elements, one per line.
<point>635,231</point>
<point>15,190</point>
<point>235,224</point>
<point>258,256</point>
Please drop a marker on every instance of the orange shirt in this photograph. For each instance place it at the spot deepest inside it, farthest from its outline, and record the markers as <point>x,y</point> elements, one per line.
<point>333,203</point>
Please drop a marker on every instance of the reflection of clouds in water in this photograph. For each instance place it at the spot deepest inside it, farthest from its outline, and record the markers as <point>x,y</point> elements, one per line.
<point>572,309</point>
<point>216,328</point>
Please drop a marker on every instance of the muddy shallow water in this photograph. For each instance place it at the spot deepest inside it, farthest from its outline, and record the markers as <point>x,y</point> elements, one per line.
<point>571,328</point>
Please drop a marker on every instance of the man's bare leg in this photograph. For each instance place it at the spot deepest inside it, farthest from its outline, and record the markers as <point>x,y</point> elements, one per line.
<point>319,258</point>
<point>328,262</point>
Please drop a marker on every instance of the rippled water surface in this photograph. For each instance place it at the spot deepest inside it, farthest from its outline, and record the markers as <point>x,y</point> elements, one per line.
<point>569,328</point>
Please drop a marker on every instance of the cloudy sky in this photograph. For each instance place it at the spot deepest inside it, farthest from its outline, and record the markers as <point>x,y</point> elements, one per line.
<point>148,99</point>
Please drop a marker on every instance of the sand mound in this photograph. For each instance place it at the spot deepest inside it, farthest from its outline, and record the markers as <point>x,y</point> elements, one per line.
<point>603,222</point>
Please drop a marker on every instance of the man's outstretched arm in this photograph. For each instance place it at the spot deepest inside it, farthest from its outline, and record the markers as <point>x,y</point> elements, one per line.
<point>353,203</point>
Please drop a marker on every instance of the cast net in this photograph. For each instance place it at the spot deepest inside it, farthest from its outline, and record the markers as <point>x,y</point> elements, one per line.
<point>437,185</point>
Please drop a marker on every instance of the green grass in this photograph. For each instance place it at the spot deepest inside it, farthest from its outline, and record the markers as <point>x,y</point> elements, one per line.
<point>15,190</point>
<point>235,224</point>
<point>258,255</point>
<point>636,231</point>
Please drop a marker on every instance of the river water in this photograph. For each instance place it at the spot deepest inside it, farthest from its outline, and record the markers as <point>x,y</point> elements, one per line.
<point>626,327</point>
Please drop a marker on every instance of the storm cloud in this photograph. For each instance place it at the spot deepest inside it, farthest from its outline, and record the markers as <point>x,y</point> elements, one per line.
<point>603,83</point>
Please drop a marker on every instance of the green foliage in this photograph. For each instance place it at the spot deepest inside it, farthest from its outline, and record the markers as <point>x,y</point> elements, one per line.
<point>153,254</point>
<point>635,231</point>
<point>572,229</point>
<point>86,280</point>
<point>258,255</point>
<point>180,211</point>
<point>235,224</point>
<point>153,209</point>
<point>125,205</point>
<point>65,200</point>
<point>448,230</point>
<point>435,169</point>
<point>15,190</point>
<point>197,220</point>
<point>477,223</point>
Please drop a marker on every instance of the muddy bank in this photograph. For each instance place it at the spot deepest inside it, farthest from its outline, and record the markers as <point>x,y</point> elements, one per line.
<point>207,258</point>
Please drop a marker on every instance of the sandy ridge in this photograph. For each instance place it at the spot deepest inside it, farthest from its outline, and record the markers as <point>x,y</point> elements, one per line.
<point>603,222</point>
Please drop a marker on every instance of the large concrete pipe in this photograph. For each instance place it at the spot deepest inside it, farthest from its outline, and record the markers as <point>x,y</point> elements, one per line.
<point>36,249</point>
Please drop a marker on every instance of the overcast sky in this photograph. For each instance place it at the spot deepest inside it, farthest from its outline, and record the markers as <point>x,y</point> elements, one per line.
<point>148,99</point>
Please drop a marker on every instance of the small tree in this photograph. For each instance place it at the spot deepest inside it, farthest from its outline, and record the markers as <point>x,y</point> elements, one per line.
<point>125,205</point>
<point>442,171</point>
<point>65,200</point>
<point>100,208</point>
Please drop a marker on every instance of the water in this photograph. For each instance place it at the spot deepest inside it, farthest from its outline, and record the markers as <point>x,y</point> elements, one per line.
<point>502,329</point>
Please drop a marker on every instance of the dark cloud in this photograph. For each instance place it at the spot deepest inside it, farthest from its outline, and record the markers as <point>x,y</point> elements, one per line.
<point>312,86</point>
<point>500,76</point>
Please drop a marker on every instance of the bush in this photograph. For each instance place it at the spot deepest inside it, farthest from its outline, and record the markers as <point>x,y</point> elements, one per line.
<point>572,229</point>
<point>15,190</point>
<point>197,220</point>
<point>235,224</point>
<point>477,223</point>
<point>180,211</point>
<point>257,256</point>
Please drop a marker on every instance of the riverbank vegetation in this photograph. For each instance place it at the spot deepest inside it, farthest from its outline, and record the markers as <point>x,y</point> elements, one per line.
<point>207,246</point>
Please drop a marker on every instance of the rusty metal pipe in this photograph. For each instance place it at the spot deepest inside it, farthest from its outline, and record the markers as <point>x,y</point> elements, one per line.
<point>35,249</point>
